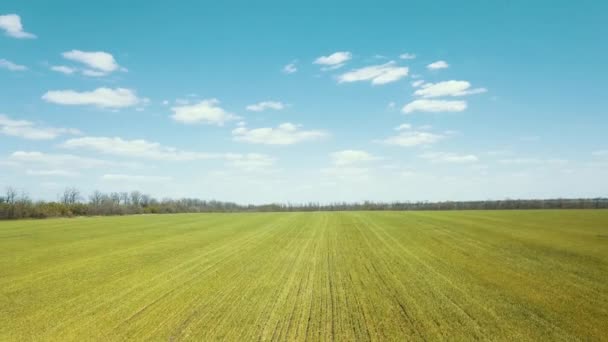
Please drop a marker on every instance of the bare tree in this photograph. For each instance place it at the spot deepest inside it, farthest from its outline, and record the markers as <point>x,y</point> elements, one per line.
<point>124,197</point>
<point>11,195</point>
<point>96,198</point>
<point>70,195</point>
<point>136,198</point>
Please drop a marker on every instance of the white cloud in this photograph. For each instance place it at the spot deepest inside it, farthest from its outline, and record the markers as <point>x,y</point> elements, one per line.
<point>135,178</point>
<point>531,161</point>
<point>262,106</point>
<point>251,161</point>
<point>53,172</point>
<point>347,173</point>
<point>600,153</point>
<point>448,88</point>
<point>417,83</point>
<point>434,106</point>
<point>11,24</point>
<point>100,97</point>
<point>377,74</point>
<point>349,157</point>
<point>30,130</point>
<point>335,60</point>
<point>93,73</point>
<point>443,157</point>
<point>58,161</point>
<point>290,68</point>
<point>8,65</point>
<point>63,69</point>
<point>407,56</point>
<point>438,65</point>
<point>137,148</point>
<point>412,138</point>
<point>284,134</point>
<point>206,111</point>
<point>101,62</point>
<point>403,127</point>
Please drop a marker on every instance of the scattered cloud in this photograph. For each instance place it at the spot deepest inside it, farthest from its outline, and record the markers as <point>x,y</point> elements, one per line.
<point>412,138</point>
<point>135,178</point>
<point>334,61</point>
<point>407,56</point>
<point>138,148</point>
<point>349,157</point>
<point>8,65</point>
<point>100,97</point>
<point>417,83</point>
<point>58,161</point>
<point>53,173</point>
<point>290,68</point>
<point>438,65</point>
<point>434,106</point>
<point>347,173</point>
<point>403,127</point>
<point>284,134</point>
<point>11,24</point>
<point>30,130</point>
<point>206,112</point>
<point>447,88</point>
<point>376,74</point>
<point>262,106</point>
<point>98,63</point>
<point>444,157</point>
<point>63,69</point>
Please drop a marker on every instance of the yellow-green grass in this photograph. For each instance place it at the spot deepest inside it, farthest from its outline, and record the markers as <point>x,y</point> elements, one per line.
<point>344,276</point>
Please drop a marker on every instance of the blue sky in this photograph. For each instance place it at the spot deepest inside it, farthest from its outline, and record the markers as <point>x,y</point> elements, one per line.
<point>306,101</point>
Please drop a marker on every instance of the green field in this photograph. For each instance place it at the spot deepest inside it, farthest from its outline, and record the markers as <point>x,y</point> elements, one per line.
<point>344,276</point>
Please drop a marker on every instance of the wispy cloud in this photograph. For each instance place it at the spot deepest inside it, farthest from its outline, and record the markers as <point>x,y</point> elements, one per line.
<point>349,157</point>
<point>447,88</point>
<point>30,130</point>
<point>284,134</point>
<point>262,106</point>
<point>407,138</point>
<point>8,65</point>
<point>334,61</point>
<point>407,56</point>
<point>444,157</point>
<point>434,106</point>
<point>376,74</point>
<point>290,68</point>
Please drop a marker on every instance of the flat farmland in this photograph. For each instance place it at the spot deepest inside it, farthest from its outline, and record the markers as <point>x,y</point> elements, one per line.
<point>343,276</point>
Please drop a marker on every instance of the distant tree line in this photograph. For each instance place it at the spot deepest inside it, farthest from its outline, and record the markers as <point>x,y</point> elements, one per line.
<point>18,205</point>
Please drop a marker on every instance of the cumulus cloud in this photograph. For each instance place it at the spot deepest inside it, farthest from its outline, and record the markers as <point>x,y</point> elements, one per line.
<point>290,68</point>
<point>376,74</point>
<point>284,134</point>
<point>205,111</point>
<point>334,61</point>
<point>8,65</point>
<point>30,130</point>
<point>349,157</point>
<point>100,97</point>
<point>434,106</point>
<point>262,106</point>
<point>99,61</point>
<point>447,88</point>
<point>444,157</point>
<point>134,178</point>
<point>407,56</point>
<point>11,24</point>
<point>438,65</point>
